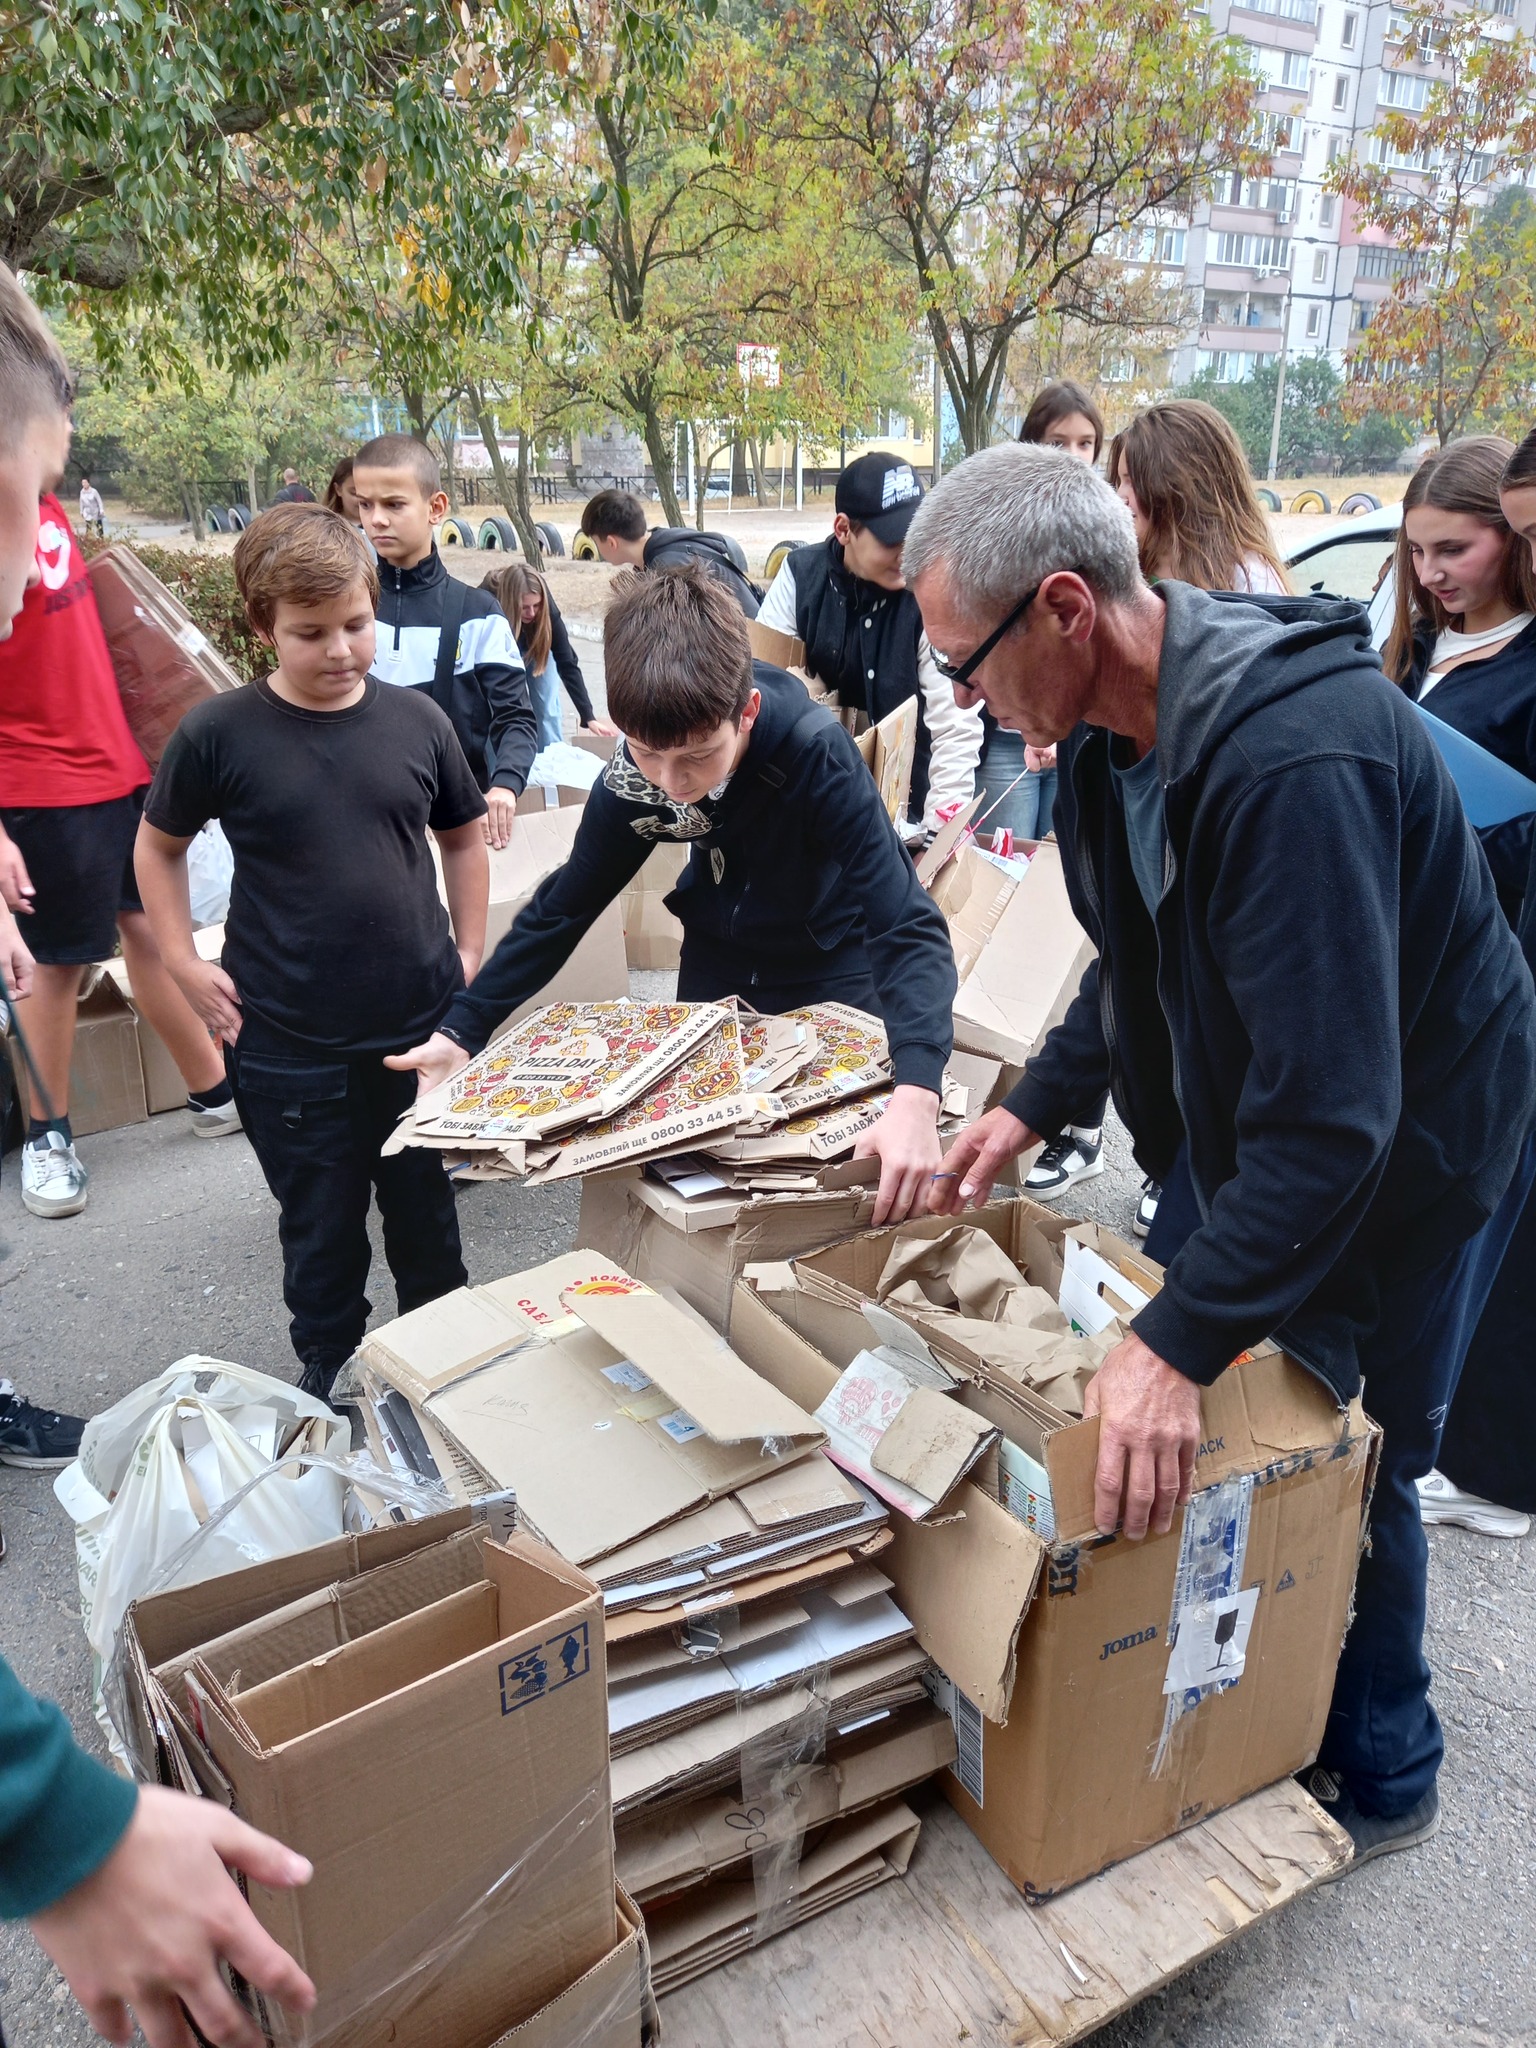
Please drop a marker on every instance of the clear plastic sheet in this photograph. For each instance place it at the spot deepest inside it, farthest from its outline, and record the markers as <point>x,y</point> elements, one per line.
<point>773,1771</point>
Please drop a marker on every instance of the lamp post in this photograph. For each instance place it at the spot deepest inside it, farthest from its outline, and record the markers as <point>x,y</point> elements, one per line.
<point>1285,337</point>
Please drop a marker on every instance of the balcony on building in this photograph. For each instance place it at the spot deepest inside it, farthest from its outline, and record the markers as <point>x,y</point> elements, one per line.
<point>1280,24</point>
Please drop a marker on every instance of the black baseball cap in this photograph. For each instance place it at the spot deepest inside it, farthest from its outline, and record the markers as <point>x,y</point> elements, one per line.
<point>881,492</point>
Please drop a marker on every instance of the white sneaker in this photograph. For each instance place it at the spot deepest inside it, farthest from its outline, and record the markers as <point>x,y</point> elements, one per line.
<point>1078,1154</point>
<point>52,1178</point>
<point>214,1123</point>
<point>1442,1503</point>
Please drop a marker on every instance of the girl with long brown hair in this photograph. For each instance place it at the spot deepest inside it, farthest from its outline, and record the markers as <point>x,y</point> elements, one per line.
<point>541,638</point>
<point>1181,469</point>
<point>1463,641</point>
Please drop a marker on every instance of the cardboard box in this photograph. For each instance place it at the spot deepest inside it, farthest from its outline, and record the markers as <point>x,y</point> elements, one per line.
<point>609,1411</point>
<point>610,2007</point>
<point>890,752</point>
<point>779,650</point>
<point>106,1079</point>
<point>1019,950</point>
<point>164,1087</point>
<point>1106,1693</point>
<point>447,1775</point>
<point>163,662</point>
<point>701,1250</point>
<point>653,937</point>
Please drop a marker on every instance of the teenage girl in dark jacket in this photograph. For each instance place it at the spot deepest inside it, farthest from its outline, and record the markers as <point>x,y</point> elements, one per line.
<point>1463,642</point>
<point>542,640</point>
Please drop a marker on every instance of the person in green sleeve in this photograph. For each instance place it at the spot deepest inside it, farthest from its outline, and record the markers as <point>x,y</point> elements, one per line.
<point>127,1888</point>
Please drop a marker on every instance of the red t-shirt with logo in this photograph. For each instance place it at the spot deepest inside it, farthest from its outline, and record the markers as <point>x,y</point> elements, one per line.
<point>64,738</point>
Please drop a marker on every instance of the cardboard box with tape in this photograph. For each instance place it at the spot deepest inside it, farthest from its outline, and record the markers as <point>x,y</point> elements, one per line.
<point>1104,1693</point>
<point>456,1698</point>
<point>106,1076</point>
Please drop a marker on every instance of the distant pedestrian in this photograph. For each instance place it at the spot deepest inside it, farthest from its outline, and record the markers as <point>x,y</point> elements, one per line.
<point>93,513</point>
<point>293,492</point>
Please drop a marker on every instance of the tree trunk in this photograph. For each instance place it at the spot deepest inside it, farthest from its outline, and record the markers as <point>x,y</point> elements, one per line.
<point>192,498</point>
<point>251,491</point>
<point>755,458</point>
<point>514,496</point>
<point>658,445</point>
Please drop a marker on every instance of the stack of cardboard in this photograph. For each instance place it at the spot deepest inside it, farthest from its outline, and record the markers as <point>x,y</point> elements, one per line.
<point>755,1652</point>
<point>420,1711</point>
<point>578,1088</point>
<point>1104,1694</point>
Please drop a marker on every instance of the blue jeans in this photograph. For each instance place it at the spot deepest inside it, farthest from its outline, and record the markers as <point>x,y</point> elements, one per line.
<point>1383,1736</point>
<point>1026,809</point>
<point>544,688</point>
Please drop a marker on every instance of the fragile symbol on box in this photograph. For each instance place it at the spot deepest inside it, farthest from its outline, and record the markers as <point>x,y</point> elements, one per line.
<point>544,1669</point>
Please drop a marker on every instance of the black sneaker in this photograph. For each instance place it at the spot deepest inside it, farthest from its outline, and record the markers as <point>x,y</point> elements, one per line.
<point>1076,1155</point>
<point>1146,1208</point>
<point>33,1437</point>
<point>1371,1834</point>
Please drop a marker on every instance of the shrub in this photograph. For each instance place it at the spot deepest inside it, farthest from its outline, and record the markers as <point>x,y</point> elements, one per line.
<point>205,584</point>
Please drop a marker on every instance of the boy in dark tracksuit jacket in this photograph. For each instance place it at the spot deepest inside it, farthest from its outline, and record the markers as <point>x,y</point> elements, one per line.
<point>798,889</point>
<point>479,680</point>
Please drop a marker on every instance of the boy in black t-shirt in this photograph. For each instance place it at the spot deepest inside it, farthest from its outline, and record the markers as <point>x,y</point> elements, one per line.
<point>337,949</point>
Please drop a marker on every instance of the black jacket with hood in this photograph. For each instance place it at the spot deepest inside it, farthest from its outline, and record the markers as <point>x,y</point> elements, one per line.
<point>795,874</point>
<point>672,547</point>
<point>1331,1008</point>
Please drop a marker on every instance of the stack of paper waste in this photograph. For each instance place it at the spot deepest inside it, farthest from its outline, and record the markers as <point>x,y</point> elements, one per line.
<point>756,1656</point>
<point>580,1087</point>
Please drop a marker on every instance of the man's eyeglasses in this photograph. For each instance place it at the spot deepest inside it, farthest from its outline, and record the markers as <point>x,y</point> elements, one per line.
<point>962,671</point>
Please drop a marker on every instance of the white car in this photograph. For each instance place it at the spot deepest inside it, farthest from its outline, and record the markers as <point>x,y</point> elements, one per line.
<point>1352,559</point>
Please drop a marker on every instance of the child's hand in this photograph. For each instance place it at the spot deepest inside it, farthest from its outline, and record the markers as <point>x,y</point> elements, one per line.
<point>906,1143</point>
<point>213,995</point>
<point>433,1063</point>
<point>16,890</point>
<point>603,728</point>
<point>16,963</point>
<point>501,810</point>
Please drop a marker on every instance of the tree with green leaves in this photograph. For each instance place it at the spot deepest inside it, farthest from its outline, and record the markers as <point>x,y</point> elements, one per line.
<point>1316,435</point>
<point>1453,346</point>
<point>999,149</point>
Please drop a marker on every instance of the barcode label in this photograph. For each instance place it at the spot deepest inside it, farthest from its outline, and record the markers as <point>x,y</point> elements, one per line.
<point>965,1718</point>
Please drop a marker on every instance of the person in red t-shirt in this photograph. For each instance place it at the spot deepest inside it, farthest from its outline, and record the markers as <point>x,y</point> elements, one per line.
<point>72,785</point>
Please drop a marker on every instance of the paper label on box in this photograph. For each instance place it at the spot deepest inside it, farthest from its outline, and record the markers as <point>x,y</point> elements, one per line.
<point>628,1376</point>
<point>965,1717</point>
<point>1212,1644</point>
<point>680,1426</point>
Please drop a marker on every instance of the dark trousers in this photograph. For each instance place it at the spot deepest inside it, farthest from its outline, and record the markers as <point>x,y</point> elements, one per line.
<point>1383,1736</point>
<point>316,1120</point>
<point>1489,1446</point>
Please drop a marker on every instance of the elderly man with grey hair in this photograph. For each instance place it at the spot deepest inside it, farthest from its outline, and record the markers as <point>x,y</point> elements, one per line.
<point>1312,1016</point>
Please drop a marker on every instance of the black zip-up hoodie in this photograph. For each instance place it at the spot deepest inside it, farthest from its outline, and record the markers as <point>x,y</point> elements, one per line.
<point>1332,1007</point>
<point>673,547</point>
<point>491,708</point>
<point>796,871</point>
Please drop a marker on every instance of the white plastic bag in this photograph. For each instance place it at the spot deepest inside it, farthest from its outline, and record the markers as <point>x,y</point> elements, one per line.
<point>153,1470</point>
<point>210,871</point>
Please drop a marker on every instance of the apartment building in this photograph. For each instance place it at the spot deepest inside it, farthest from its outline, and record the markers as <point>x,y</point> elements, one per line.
<point>1279,254</point>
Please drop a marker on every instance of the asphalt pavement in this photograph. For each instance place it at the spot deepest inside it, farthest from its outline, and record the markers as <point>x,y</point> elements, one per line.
<point>177,1254</point>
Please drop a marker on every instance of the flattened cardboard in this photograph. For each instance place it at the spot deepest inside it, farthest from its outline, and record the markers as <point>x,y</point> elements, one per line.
<point>106,1078</point>
<point>653,937</point>
<point>779,650</point>
<point>625,1414</point>
<point>683,1845</point>
<point>472,1739</point>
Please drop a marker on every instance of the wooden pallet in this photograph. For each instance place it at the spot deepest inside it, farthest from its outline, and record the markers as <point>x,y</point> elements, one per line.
<point>950,1952</point>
